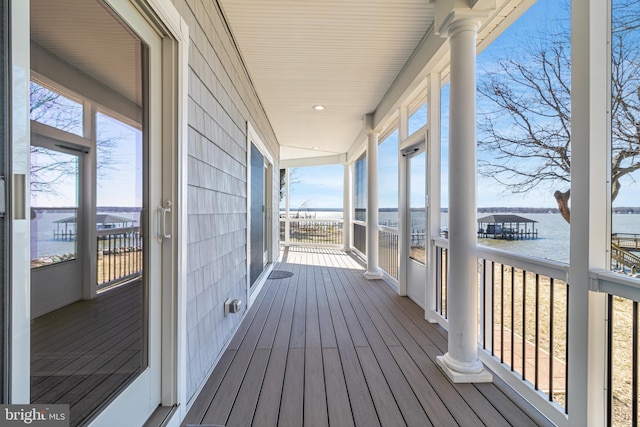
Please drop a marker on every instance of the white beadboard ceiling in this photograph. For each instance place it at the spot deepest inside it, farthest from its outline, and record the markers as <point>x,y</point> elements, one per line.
<point>86,35</point>
<point>343,54</point>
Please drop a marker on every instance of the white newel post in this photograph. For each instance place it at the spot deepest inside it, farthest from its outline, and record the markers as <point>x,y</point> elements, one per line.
<point>461,361</point>
<point>373,272</point>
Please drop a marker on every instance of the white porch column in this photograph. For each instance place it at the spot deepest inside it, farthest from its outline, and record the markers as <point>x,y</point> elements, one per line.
<point>347,206</point>
<point>461,362</point>
<point>373,272</point>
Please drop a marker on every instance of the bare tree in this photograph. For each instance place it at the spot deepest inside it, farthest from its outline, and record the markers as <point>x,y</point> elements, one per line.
<point>526,129</point>
<point>293,179</point>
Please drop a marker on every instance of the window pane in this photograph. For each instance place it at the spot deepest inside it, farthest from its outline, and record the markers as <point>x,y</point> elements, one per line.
<point>444,160</point>
<point>55,110</point>
<point>54,206</point>
<point>625,137</point>
<point>388,181</point>
<point>360,192</point>
<point>524,135</point>
<point>118,200</point>
<point>418,170</point>
<point>418,119</point>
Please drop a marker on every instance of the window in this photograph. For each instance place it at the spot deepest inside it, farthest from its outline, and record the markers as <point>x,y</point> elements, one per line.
<point>444,160</point>
<point>54,109</point>
<point>360,190</point>
<point>388,181</point>
<point>524,134</point>
<point>418,119</point>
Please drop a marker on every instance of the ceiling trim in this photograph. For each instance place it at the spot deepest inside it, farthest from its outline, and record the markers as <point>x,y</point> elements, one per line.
<point>314,161</point>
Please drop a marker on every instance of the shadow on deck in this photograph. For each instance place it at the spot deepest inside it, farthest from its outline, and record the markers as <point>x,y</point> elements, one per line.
<point>327,347</point>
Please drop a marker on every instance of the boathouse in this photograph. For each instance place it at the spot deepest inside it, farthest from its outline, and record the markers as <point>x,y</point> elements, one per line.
<point>507,226</point>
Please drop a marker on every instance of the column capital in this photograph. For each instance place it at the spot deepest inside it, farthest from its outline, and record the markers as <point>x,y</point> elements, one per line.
<point>368,126</point>
<point>461,20</point>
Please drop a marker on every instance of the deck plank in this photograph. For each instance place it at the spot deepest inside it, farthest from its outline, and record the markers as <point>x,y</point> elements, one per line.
<point>83,353</point>
<point>383,398</point>
<point>315,398</point>
<point>338,404</point>
<point>200,406</point>
<point>268,407</point>
<point>328,347</point>
<point>292,403</point>
<point>222,404</point>
<point>245,405</point>
<point>418,345</point>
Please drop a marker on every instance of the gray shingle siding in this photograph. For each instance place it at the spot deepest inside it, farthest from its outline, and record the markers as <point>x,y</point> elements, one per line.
<point>221,102</point>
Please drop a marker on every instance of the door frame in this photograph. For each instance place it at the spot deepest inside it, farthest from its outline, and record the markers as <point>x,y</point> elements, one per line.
<point>253,138</point>
<point>409,147</point>
<point>164,18</point>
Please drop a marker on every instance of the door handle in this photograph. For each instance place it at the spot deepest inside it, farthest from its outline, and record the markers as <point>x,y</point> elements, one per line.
<point>162,213</point>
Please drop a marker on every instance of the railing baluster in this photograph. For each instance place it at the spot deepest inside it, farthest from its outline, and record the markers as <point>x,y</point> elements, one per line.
<point>513,317</point>
<point>566,356</point>
<point>439,279</point>
<point>493,308</point>
<point>483,325</point>
<point>537,333</point>
<point>609,358</point>
<point>446,284</point>
<point>502,313</point>
<point>524,323</point>
<point>634,367</point>
<point>551,343</point>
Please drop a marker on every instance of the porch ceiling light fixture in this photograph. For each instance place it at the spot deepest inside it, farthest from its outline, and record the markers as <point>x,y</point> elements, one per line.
<point>318,107</point>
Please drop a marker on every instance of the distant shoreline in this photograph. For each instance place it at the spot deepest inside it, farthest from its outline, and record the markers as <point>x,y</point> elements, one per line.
<point>616,210</point>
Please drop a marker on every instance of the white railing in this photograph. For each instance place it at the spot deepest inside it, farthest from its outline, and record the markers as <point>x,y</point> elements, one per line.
<point>360,237</point>
<point>119,255</point>
<point>524,326</point>
<point>522,322</point>
<point>388,251</point>
<point>311,232</point>
<point>623,339</point>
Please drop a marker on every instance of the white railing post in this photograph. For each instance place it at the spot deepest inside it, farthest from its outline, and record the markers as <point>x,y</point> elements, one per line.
<point>590,189</point>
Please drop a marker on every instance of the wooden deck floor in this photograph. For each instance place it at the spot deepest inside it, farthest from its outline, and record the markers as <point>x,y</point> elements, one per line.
<point>327,347</point>
<point>84,353</point>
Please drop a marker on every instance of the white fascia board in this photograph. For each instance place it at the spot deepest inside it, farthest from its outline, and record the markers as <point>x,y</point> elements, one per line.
<point>336,159</point>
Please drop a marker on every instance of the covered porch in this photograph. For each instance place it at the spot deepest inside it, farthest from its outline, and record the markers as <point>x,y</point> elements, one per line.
<point>325,346</point>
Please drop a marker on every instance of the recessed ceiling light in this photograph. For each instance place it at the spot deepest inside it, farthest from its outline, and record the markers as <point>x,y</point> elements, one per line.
<point>318,107</point>
<point>316,148</point>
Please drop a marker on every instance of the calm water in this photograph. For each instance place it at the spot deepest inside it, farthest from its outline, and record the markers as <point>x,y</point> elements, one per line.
<point>44,226</point>
<point>553,232</point>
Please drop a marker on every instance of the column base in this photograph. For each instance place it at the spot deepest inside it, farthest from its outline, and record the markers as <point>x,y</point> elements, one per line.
<point>483,376</point>
<point>373,275</point>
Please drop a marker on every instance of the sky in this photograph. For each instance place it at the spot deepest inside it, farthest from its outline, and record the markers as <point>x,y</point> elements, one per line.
<point>119,156</point>
<point>322,186</point>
